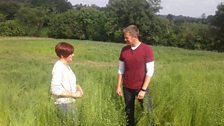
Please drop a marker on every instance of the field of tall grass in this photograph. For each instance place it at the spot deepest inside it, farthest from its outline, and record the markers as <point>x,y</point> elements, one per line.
<point>187,88</point>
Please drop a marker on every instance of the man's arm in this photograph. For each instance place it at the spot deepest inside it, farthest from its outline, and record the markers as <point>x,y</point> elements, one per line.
<point>118,90</point>
<point>142,92</point>
<point>149,74</point>
<point>119,78</point>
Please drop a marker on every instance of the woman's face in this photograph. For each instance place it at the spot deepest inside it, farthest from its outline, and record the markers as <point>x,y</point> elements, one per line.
<point>69,58</point>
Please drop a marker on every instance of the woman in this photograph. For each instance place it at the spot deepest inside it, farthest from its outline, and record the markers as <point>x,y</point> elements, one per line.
<point>63,84</point>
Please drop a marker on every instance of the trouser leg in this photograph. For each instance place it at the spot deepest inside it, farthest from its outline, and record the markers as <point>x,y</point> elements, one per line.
<point>129,97</point>
<point>141,103</point>
<point>62,109</point>
<point>149,113</point>
<point>62,112</point>
<point>67,111</point>
<point>148,101</point>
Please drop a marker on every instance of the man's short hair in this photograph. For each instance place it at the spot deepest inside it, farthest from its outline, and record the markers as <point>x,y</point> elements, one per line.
<point>132,30</point>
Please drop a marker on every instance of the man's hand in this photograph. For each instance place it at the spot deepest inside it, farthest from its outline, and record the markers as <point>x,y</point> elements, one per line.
<point>118,91</point>
<point>141,94</point>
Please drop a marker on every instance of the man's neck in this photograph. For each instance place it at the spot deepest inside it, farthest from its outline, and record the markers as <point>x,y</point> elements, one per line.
<point>136,43</point>
<point>136,46</point>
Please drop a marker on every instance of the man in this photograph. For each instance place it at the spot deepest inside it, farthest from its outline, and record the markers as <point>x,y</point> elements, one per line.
<point>136,67</point>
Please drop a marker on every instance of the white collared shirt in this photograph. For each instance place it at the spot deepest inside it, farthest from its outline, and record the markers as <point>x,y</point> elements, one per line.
<point>63,80</point>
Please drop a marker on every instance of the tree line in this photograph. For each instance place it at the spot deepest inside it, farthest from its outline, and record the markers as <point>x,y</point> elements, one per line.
<point>60,19</point>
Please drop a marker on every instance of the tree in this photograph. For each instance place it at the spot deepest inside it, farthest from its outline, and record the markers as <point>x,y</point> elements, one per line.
<point>170,17</point>
<point>2,17</point>
<point>203,18</point>
<point>219,16</point>
<point>9,9</point>
<point>54,5</point>
<point>218,21</point>
<point>138,12</point>
<point>65,25</point>
<point>91,22</point>
<point>194,36</point>
<point>11,28</point>
<point>32,19</point>
<point>162,32</point>
<point>209,19</point>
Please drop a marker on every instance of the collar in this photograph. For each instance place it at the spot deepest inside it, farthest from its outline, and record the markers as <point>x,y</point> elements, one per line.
<point>135,47</point>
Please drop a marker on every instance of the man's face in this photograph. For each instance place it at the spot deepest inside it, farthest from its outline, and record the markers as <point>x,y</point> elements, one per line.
<point>128,38</point>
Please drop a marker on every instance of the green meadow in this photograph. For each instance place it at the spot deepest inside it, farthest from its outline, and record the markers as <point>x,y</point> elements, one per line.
<point>187,88</point>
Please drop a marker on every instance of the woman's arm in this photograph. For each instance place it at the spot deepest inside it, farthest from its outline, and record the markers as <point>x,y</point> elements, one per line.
<point>78,93</point>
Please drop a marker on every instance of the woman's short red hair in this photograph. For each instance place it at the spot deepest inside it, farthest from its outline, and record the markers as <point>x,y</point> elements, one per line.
<point>64,49</point>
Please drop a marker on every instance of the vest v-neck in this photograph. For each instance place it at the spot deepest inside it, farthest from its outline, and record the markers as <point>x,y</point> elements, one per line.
<point>134,48</point>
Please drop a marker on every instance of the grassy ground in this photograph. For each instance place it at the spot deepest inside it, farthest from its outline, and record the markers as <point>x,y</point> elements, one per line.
<point>186,90</point>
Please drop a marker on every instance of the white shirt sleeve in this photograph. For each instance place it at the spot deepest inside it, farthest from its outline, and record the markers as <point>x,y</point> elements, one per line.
<point>56,87</point>
<point>150,68</point>
<point>58,79</point>
<point>121,67</point>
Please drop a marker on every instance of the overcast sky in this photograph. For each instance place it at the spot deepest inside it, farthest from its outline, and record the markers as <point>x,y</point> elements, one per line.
<point>193,8</point>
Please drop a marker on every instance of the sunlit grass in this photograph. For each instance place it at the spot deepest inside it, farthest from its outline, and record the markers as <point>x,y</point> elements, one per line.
<point>187,87</point>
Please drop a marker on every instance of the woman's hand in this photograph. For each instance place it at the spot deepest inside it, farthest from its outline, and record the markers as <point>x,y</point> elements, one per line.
<point>78,93</point>
<point>78,88</point>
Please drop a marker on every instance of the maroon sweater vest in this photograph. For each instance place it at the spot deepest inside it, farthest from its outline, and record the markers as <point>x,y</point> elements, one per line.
<point>135,65</point>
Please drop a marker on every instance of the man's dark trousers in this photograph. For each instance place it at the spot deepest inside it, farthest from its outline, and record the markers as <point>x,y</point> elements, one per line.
<point>129,97</point>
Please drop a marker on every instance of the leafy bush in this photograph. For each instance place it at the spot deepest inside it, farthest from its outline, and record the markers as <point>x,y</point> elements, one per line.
<point>64,25</point>
<point>11,28</point>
